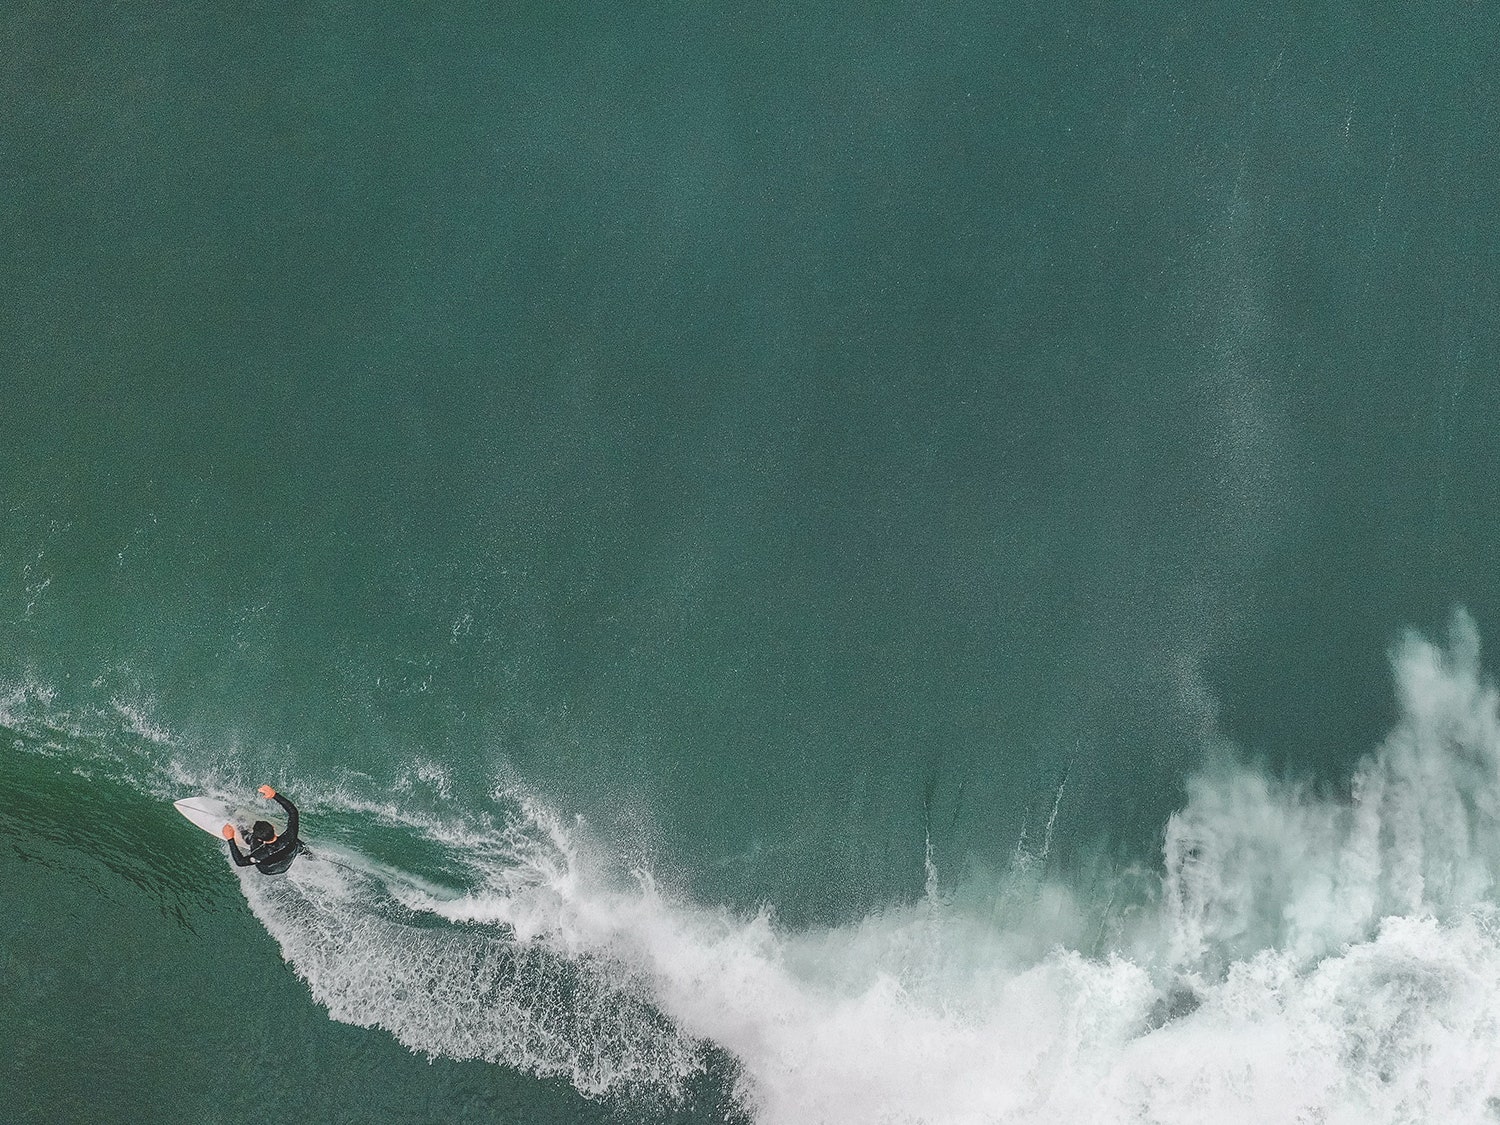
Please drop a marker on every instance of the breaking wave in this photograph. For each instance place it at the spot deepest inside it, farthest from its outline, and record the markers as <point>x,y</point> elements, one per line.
<point>1297,956</point>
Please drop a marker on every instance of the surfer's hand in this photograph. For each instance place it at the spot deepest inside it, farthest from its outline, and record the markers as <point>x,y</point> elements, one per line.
<point>228,832</point>
<point>266,791</point>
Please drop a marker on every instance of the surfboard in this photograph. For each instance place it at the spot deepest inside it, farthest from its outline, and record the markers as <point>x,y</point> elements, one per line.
<point>211,814</point>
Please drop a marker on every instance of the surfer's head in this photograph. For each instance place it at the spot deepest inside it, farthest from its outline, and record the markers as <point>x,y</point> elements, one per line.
<point>263,831</point>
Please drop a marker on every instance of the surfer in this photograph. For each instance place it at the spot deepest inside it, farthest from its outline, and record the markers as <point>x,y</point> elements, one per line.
<point>269,853</point>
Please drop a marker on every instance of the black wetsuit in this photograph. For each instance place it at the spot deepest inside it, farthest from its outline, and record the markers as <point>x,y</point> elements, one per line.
<point>274,856</point>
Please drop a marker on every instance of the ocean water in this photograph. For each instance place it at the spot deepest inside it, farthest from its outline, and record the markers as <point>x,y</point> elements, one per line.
<point>804,564</point>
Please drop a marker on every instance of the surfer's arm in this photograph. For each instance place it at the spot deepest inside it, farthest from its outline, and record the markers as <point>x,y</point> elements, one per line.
<point>236,855</point>
<point>291,814</point>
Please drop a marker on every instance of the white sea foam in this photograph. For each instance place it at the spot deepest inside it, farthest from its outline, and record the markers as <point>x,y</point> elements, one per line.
<point>138,722</point>
<point>1310,959</point>
<point>22,702</point>
<point>1304,958</point>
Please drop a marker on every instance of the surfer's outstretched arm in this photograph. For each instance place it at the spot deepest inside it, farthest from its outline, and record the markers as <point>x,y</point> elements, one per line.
<point>291,814</point>
<point>291,809</point>
<point>234,850</point>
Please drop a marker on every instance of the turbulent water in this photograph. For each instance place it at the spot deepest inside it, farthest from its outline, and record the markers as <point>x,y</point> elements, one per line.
<point>1301,956</point>
<point>802,566</point>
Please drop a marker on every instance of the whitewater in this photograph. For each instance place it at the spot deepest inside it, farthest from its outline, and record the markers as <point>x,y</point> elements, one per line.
<point>1297,954</point>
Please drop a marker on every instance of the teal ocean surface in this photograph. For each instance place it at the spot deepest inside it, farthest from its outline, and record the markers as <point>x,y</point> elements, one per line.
<point>803,564</point>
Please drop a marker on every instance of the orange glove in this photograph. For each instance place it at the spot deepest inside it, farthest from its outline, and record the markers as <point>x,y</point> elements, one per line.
<point>266,791</point>
<point>228,832</point>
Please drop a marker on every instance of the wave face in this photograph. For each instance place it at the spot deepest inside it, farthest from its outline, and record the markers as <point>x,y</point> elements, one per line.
<point>1297,955</point>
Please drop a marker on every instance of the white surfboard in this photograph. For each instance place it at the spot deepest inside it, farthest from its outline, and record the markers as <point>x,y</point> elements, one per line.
<point>211,814</point>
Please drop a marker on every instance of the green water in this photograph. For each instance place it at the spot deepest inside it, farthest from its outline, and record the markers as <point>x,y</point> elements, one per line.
<point>786,438</point>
